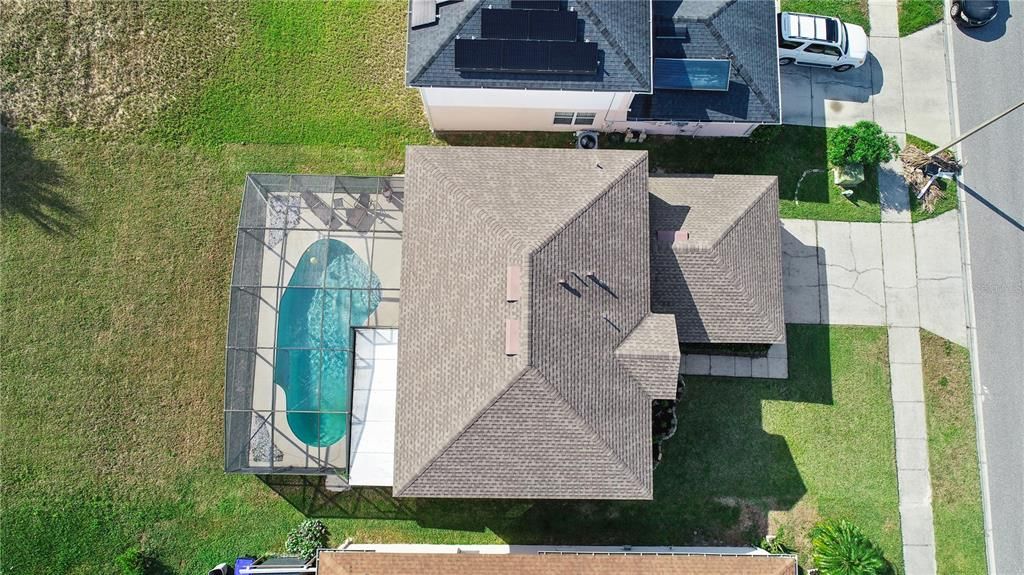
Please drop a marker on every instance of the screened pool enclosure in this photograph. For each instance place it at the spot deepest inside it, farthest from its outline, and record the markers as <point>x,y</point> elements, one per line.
<point>314,284</point>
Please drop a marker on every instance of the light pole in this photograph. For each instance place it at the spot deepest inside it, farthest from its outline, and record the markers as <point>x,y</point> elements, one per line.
<point>958,139</point>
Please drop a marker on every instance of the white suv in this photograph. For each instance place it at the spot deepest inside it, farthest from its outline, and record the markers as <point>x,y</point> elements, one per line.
<point>821,41</point>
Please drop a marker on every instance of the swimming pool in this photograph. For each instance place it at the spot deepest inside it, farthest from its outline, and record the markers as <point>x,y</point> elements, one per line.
<point>315,320</point>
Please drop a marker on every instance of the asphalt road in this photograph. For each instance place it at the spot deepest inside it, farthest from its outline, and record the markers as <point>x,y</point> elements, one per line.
<point>989,65</point>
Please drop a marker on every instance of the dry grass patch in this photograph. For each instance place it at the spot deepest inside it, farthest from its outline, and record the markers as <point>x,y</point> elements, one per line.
<point>112,66</point>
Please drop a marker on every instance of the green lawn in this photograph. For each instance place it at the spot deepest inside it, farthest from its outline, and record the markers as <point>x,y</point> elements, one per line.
<point>852,11</point>
<point>953,457</point>
<point>116,239</point>
<point>319,73</point>
<point>946,203</point>
<point>112,403</point>
<point>919,14</point>
<point>788,152</point>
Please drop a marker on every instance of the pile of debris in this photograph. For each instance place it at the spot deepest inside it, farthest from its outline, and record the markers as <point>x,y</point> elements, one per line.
<point>921,171</point>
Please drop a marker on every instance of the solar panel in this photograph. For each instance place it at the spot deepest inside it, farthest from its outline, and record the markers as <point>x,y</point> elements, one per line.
<point>575,58</point>
<point>691,74</point>
<point>557,26</point>
<point>537,4</point>
<point>525,55</point>
<point>423,12</point>
<point>506,24</point>
<point>478,54</point>
<point>537,56</point>
<point>528,24</point>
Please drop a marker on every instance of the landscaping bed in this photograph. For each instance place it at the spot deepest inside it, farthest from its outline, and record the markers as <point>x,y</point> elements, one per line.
<point>953,457</point>
<point>949,200</point>
<point>796,154</point>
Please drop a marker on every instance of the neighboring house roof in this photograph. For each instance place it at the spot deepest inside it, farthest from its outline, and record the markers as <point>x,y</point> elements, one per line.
<point>361,563</point>
<point>569,415</point>
<point>742,31</point>
<point>620,28</point>
<point>722,278</point>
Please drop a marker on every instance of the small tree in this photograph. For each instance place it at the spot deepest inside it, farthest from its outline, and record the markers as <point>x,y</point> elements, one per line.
<point>131,562</point>
<point>841,548</point>
<point>861,143</point>
<point>305,539</point>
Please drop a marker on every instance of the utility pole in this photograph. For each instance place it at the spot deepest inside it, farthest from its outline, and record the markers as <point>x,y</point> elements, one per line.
<point>937,151</point>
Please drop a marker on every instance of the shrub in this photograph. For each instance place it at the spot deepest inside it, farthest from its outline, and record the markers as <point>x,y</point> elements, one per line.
<point>861,143</point>
<point>841,548</point>
<point>131,562</point>
<point>780,544</point>
<point>305,539</point>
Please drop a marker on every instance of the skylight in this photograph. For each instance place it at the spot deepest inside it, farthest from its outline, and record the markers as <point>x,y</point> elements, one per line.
<point>691,74</point>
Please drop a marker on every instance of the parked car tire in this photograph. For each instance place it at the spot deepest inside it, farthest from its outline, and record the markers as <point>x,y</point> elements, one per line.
<point>786,61</point>
<point>843,68</point>
<point>954,10</point>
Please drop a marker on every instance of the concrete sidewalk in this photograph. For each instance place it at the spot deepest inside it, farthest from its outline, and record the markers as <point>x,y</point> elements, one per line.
<point>898,274</point>
<point>893,274</point>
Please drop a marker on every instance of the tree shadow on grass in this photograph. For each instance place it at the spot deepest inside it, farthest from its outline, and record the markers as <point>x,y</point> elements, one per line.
<point>30,187</point>
<point>720,476</point>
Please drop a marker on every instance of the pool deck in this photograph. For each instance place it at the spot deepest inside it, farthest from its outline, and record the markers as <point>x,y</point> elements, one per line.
<point>369,224</point>
<point>375,388</point>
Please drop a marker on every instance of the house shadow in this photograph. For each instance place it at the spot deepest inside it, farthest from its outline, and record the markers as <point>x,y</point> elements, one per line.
<point>804,276</point>
<point>30,187</point>
<point>721,475</point>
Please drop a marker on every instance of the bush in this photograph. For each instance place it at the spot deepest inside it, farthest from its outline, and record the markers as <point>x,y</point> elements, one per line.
<point>305,539</point>
<point>131,562</point>
<point>780,544</point>
<point>861,143</point>
<point>841,548</point>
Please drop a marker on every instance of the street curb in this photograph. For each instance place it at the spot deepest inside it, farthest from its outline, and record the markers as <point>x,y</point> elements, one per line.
<point>972,334</point>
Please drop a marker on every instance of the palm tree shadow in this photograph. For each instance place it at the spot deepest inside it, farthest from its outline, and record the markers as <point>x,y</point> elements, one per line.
<point>30,187</point>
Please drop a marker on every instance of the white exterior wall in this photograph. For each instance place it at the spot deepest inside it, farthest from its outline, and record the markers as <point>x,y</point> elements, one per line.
<point>703,129</point>
<point>484,109</point>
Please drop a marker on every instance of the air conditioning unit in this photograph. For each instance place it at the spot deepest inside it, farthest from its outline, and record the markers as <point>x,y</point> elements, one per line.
<point>586,140</point>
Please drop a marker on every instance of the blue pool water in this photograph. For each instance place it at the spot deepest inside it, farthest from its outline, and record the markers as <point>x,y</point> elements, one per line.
<point>316,321</point>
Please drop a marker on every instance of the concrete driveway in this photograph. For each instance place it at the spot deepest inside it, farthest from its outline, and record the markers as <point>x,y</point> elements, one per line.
<point>821,97</point>
<point>902,86</point>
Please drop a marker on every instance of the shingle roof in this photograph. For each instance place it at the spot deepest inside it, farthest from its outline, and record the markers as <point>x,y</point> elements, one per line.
<point>723,281</point>
<point>356,563</point>
<point>556,420</point>
<point>743,31</point>
<point>621,29</point>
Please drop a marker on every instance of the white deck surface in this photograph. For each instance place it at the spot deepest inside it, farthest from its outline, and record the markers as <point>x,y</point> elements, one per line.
<point>375,382</point>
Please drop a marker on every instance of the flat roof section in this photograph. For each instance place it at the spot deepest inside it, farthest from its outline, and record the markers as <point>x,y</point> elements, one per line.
<point>374,389</point>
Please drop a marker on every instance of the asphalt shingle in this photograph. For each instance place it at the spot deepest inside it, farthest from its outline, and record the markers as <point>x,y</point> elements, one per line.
<point>474,422</point>
<point>723,278</point>
<point>621,29</point>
